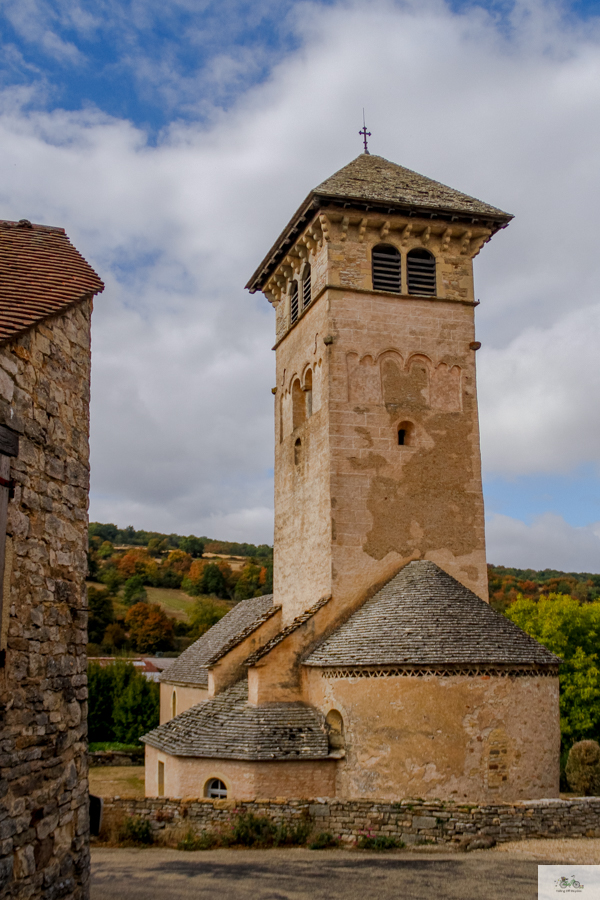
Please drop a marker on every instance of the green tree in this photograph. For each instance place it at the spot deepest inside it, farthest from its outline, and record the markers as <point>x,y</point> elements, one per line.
<point>136,709</point>
<point>192,545</point>
<point>204,614</point>
<point>213,581</point>
<point>570,629</point>
<point>105,550</point>
<point>111,578</point>
<point>101,613</point>
<point>100,702</point>
<point>134,591</point>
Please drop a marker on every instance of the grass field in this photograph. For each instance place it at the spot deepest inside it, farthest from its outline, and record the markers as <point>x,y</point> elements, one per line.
<point>176,603</point>
<point>117,781</point>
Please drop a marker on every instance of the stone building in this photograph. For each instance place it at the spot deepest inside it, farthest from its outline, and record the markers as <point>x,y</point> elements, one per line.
<point>389,675</point>
<point>46,291</point>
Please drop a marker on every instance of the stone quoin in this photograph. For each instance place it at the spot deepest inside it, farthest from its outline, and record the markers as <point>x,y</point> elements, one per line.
<point>377,671</point>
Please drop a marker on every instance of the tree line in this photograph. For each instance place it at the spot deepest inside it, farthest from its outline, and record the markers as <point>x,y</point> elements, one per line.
<point>130,536</point>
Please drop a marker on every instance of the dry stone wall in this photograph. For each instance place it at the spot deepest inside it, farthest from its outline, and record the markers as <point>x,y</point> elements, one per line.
<point>411,821</point>
<point>44,396</point>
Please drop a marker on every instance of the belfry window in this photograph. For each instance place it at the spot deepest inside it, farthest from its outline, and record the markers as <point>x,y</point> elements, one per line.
<point>306,288</point>
<point>386,268</point>
<point>216,789</point>
<point>294,303</point>
<point>420,269</point>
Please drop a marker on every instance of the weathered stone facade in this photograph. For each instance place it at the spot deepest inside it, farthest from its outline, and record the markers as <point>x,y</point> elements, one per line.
<point>44,398</point>
<point>411,821</point>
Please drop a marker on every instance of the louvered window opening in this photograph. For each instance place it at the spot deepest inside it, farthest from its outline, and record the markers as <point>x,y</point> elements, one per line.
<point>386,262</point>
<point>306,289</point>
<point>420,268</point>
<point>294,306</point>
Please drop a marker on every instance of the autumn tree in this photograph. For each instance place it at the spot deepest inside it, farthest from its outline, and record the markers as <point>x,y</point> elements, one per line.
<point>204,614</point>
<point>150,629</point>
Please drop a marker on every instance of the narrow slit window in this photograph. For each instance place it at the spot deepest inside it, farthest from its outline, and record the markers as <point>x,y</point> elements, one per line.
<point>174,705</point>
<point>420,269</point>
<point>298,452</point>
<point>386,268</point>
<point>401,436</point>
<point>294,304</point>
<point>216,789</point>
<point>306,288</point>
<point>161,779</point>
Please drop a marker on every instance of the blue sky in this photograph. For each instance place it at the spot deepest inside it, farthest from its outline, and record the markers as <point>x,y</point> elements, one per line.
<point>173,140</point>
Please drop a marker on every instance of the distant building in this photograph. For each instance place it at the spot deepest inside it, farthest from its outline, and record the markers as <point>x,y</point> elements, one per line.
<point>377,670</point>
<point>150,666</point>
<point>46,292</point>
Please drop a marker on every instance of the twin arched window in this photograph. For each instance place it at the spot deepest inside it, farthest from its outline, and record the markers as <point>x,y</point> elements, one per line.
<point>386,264</point>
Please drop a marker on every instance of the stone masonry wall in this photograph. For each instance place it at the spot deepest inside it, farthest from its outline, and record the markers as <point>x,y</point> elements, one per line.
<point>412,821</point>
<point>44,831</point>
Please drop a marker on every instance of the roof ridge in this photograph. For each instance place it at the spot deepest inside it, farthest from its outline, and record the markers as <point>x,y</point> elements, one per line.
<point>281,635</point>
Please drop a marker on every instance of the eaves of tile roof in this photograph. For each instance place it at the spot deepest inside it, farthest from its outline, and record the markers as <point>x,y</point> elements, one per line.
<point>191,667</point>
<point>41,274</point>
<point>424,617</point>
<point>373,183</point>
<point>228,727</point>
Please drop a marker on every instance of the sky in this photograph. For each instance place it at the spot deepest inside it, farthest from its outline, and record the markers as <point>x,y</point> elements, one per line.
<point>174,139</point>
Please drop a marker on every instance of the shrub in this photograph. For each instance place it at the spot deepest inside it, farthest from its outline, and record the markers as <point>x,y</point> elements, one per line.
<point>206,840</point>
<point>583,768</point>
<point>136,831</point>
<point>323,840</point>
<point>251,830</point>
<point>379,842</point>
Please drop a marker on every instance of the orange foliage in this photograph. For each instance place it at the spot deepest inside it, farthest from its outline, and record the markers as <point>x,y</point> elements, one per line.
<point>136,562</point>
<point>179,561</point>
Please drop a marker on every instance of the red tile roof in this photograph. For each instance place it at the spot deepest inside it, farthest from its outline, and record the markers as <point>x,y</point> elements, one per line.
<point>41,274</point>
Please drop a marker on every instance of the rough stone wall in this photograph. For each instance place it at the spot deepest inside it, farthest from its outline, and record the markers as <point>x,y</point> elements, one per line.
<point>44,395</point>
<point>463,737</point>
<point>412,821</point>
<point>353,506</point>
<point>187,776</point>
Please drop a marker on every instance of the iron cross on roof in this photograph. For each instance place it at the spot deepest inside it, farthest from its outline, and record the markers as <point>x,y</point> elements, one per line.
<point>365,134</point>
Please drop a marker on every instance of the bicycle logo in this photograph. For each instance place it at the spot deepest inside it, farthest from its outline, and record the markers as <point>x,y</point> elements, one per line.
<point>571,884</point>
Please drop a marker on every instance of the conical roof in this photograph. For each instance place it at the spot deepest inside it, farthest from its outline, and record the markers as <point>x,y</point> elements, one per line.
<point>374,178</point>
<point>424,617</point>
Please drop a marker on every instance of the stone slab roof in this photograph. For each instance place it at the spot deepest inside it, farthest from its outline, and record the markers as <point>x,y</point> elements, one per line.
<point>228,727</point>
<point>41,274</point>
<point>281,635</point>
<point>424,617</point>
<point>374,178</point>
<point>372,182</point>
<point>192,666</point>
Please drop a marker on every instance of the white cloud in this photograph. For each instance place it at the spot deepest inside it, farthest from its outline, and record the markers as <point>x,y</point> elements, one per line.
<point>548,543</point>
<point>182,413</point>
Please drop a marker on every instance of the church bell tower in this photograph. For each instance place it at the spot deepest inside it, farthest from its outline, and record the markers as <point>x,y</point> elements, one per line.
<point>377,458</point>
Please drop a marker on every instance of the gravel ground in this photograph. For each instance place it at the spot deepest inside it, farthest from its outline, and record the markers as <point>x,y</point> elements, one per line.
<point>584,851</point>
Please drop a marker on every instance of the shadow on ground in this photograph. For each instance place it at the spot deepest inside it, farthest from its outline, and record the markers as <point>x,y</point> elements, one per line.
<point>308,875</point>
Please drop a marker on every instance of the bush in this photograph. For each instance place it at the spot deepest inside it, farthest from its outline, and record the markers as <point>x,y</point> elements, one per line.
<point>136,831</point>
<point>206,840</point>
<point>583,768</point>
<point>251,830</point>
<point>379,842</point>
<point>323,840</point>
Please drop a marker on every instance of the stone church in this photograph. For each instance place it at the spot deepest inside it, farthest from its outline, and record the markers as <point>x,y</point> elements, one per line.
<point>377,669</point>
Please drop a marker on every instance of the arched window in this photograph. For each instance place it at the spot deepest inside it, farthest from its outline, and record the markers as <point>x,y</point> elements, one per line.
<point>298,404</point>
<point>294,303</point>
<point>297,452</point>
<point>405,432</point>
<point>306,288</point>
<point>420,269</point>
<point>215,789</point>
<point>335,730</point>
<point>386,268</point>
<point>174,704</point>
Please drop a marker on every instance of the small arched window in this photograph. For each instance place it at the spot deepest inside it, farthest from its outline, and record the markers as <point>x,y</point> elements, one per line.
<point>306,288</point>
<point>335,730</point>
<point>215,789</point>
<point>297,452</point>
<point>405,434</point>
<point>298,404</point>
<point>386,268</point>
<point>294,303</point>
<point>420,271</point>
<point>174,704</point>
